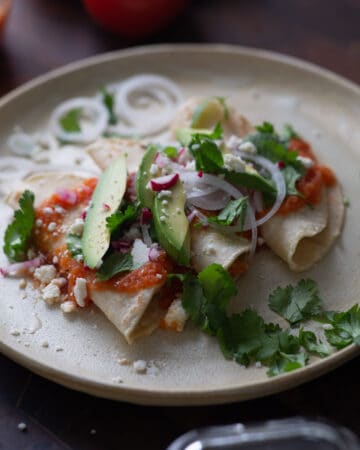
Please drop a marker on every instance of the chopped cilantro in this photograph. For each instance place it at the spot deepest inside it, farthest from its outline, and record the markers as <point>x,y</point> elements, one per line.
<point>345,328</point>
<point>70,122</point>
<point>208,156</point>
<point>18,232</point>
<point>346,202</point>
<point>234,210</point>
<point>114,264</point>
<point>296,303</point>
<point>284,362</point>
<point>291,176</point>
<point>170,152</point>
<point>288,133</point>
<point>116,221</point>
<point>309,341</point>
<point>108,100</point>
<point>73,243</point>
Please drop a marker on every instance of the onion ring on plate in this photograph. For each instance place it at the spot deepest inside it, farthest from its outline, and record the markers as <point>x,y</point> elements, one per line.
<point>143,88</point>
<point>92,108</point>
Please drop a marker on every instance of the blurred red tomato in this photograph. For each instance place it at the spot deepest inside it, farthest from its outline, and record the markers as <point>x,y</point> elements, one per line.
<point>134,18</point>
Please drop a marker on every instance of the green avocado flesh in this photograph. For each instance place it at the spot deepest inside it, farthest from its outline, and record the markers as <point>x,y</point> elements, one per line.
<point>208,113</point>
<point>105,201</point>
<point>184,135</point>
<point>172,225</point>
<point>144,194</point>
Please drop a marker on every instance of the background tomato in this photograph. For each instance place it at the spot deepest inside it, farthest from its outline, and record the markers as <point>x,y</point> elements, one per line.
<point>134,18</point>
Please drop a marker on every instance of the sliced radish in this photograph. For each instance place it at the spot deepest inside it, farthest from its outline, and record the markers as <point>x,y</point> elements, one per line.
<point>166,182</point>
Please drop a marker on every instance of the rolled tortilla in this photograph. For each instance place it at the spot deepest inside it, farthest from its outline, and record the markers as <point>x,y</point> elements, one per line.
<point>105,151</point>
<point>134,315</point>
<point>210,246</point>
<point>302,238</point>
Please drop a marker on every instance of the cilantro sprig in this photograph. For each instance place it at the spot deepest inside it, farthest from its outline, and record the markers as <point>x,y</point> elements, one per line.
<point>246,338</point>
<point>235,210</point>
<point>121,218</point>
<point>18,233</point>
<point>70,122</point>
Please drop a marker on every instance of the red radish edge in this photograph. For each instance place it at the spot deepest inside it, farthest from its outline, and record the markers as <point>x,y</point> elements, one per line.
<point>166,182</point>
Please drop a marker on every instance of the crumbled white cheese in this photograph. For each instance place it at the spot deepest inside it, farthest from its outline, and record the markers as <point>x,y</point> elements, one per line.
<point>68,307</point>
<point>59,209</point>
<point>139,253</point>
<point>260,241</point>
<point>45,273</point>
<point>22,283</point>
<point>80,258</point>
<point>38,223</point>
<point>48,210</point>
<point>162,219</point>
<point>124,362</point>
<point>190,165</point>
<point>176,316</point>
<point>77,227</point>
<point>154,169</point>
<point>140,366</point>
<point>248,147</point>
<point>22,426</point>
<point>327,326</point>
<point>52,226</point>
<point>15,332</point>
<point>55,260</point>
<point>80,291</point>
<point>165,202</point>
<point>51,293</point>
<point>59,281</point>
<point>164,193</point>
<point>306,162</point>
<point>235,163</point>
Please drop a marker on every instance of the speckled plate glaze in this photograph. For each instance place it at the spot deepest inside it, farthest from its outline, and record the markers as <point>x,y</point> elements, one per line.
<point>187,369</point>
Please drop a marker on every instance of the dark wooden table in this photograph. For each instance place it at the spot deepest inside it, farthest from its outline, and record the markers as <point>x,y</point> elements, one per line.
<point>45,34</point>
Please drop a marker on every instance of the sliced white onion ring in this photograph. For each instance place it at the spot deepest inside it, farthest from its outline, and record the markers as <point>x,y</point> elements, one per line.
<point>95,112</point>
<point>133,97</point>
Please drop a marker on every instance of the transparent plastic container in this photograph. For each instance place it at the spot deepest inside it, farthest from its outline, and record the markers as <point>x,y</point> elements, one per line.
<point>287,434</point>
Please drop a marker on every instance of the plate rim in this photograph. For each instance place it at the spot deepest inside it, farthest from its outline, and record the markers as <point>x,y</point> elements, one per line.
<point>167,397</point>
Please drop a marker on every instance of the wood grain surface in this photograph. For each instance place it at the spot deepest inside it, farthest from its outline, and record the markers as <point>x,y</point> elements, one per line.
<point>44,34</point>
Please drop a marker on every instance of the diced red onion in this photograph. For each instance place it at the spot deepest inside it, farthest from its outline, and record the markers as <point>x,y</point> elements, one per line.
<point>163,183</point>
<point>154,252</point>
<point>21,267</point>
<point>122,245</point>
<point>146,216</point>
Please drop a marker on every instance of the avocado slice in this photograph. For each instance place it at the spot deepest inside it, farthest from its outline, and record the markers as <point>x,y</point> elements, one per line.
<point>172,225</point>
<point>144,194</point>
<point>105,201</point>
<point>208,113</point>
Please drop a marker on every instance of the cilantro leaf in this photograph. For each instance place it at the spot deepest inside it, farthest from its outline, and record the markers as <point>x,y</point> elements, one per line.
<point>18,232</point>
<point>235,209</point>
<point>207,155</point>
<point>346,328</point>
<point>114,264</point>
<point>108,100</point>
<point>310,343</point>
<point>269,144</point>
<point>296,303</point>
<point>286,363</point>
<point>70,122</point>
<point>73,243</point>
<point>291,176</point>
<point>242,337</point>
<point>217,284</point>
<point>288,133</point>
<point>116,221</point>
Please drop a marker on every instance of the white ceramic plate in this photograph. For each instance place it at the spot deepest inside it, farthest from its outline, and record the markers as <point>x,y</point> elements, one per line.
<point>188,368</point>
